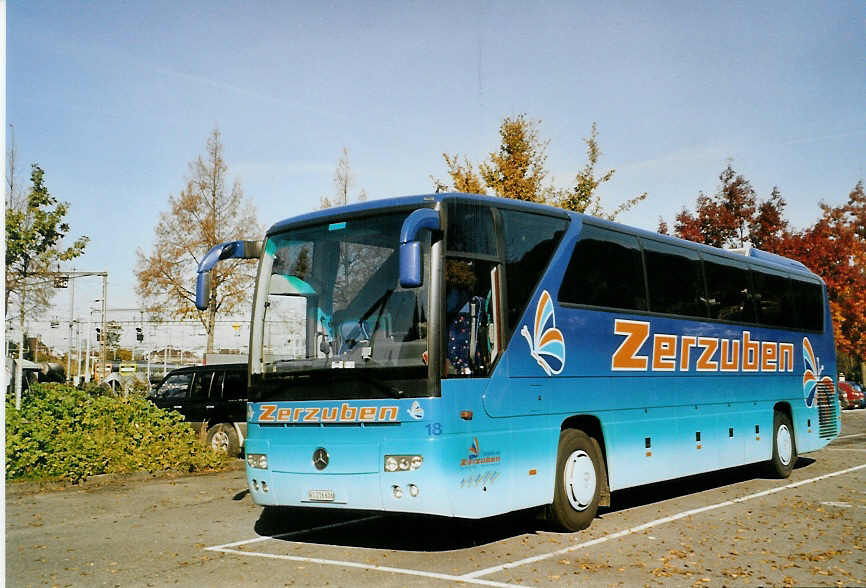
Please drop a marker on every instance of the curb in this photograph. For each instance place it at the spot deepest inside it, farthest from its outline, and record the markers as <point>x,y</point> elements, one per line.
<point>25,487</point>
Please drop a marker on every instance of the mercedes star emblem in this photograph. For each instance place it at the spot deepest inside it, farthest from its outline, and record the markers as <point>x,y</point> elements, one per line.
<point>321,458</point>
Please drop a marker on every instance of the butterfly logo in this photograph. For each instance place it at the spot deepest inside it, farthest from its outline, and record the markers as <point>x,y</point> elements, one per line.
<point>416,411</point>
<point>547,345</point>
<point>812,373</point>
<point>473,449</point>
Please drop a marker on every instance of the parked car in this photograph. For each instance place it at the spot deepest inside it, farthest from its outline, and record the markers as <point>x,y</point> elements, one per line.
<point>859,389</point>
<point>213,399</point>
<point>843,397</point>
<point>849,396</point>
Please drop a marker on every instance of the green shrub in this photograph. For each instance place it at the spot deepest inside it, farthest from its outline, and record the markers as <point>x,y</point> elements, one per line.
<point>63,432</point>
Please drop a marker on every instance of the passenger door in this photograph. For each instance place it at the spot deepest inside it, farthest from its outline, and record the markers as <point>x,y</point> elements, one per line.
<point>196,408</point>
<point>215,406</point>
<point>234,396</point>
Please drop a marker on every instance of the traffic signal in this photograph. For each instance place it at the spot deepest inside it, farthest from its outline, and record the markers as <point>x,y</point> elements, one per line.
<point>98,334</point>
<point>139,336</point>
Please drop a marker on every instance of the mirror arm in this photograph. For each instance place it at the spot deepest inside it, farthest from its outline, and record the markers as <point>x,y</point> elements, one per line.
<point>217,253</point>
<point>423,218</point>
<point>410,247</point>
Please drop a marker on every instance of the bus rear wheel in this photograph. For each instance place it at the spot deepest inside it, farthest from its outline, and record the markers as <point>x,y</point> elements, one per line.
<point>784,448</point>
<point>579,480</point>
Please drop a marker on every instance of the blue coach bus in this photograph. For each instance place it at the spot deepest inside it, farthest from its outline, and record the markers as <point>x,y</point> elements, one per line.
<point>467,356</point>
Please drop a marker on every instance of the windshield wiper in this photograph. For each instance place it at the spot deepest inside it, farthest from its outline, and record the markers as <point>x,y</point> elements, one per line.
<point>380,304</point>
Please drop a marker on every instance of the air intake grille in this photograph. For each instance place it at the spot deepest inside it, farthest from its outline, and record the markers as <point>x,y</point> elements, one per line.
<point>828,420</point>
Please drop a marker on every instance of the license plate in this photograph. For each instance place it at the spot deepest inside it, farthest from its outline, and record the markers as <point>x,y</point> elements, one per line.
<point>322,495</point>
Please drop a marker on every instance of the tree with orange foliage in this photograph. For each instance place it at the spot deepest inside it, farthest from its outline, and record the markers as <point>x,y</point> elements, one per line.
<point>517,170</point>
<point>733,216</point>
<point>835,249</point>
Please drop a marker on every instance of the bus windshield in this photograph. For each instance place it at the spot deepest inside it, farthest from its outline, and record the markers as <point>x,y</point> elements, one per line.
<point>333,304</point>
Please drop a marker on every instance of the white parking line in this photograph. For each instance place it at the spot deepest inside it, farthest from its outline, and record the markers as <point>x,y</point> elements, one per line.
<point>846,449</point>
<point>476,576</point>
<point>849,436</point>
<point>492,570</point>
<point>226,548</point>
<point>290,534</point>
<point>363,566</point>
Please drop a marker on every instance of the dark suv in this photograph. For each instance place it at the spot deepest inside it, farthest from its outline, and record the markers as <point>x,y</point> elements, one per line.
<point>213,399</point>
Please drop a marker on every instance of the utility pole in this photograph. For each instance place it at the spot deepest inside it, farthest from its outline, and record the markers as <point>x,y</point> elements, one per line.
<point>87,370</point>
<point>19,368</point>
<point>58,275</point>
<point>104,332</point>
<point>71,320</point>
<point>78,346</point>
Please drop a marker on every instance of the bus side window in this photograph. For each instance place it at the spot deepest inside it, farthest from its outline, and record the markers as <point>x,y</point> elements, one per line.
<point>681,296</point>
<point>605,270</point>
<point>469,311</point>
<point>773,299</point>
<point>530,241</point>
<point>729,290</point>
<point>470,228</point>
<point>809,302</point>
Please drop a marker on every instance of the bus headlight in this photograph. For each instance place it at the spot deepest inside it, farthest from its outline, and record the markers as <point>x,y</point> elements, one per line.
<point>391,463</point>
<point>403,463</point>
<point>257,460</point>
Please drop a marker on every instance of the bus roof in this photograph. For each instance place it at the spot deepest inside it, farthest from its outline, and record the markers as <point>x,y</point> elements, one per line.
<point>756,256</point>
<point>763,258</point>
<point>417,201</point>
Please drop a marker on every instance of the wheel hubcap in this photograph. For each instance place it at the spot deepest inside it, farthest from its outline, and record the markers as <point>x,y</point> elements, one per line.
<point>783,444</point>
<point>220,441</point>
<point>579,480</point>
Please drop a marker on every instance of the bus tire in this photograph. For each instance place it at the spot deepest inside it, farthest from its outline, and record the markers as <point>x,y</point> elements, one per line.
<point>579,480</point>
<point>222,437</point>
<point>784,448</point>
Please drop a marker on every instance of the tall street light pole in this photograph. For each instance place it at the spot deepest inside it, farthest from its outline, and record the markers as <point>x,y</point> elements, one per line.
<point>104,332</point>
<point>78,346</point>
<point>71,321</point>
<point>19,365</point>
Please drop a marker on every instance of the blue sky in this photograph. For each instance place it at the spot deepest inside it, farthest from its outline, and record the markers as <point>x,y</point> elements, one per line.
<point>114,99</point>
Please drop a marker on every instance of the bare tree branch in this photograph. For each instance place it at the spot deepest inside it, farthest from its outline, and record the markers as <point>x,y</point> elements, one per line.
<point>202,215</point>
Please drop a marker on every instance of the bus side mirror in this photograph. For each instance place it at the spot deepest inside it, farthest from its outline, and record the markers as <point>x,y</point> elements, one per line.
<point>410,247</point>
<point>202,290</point>
<point>229,250</point>
<point>410,264</point>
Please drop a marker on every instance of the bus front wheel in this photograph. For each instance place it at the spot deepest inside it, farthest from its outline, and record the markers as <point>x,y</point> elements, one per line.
<point>784,448</point>
<point>579,480</point>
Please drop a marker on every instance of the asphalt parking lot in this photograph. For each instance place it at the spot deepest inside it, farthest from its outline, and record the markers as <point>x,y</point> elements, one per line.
<point>735,527</point>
